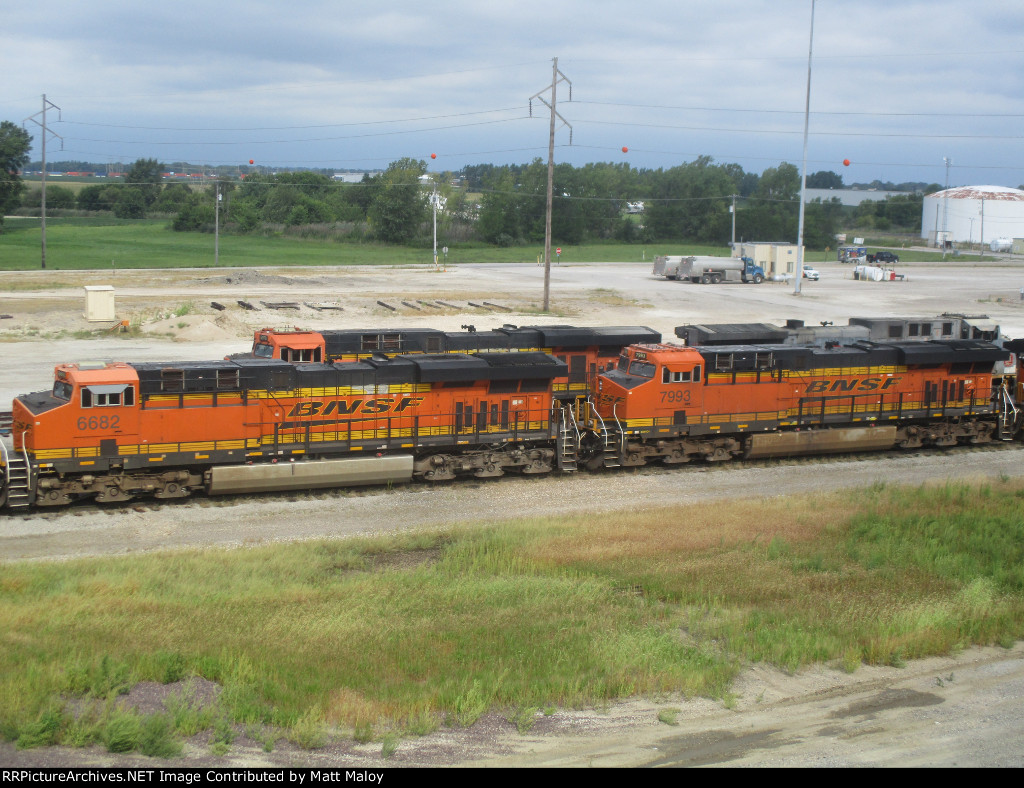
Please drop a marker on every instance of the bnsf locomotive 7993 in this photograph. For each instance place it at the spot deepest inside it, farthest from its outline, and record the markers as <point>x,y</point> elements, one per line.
<point>113,431</point>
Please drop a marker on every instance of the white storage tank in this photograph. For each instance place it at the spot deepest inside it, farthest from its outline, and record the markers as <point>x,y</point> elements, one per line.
<point>973,214</point>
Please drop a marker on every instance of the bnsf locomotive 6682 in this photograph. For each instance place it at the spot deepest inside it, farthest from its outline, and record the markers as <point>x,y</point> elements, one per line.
<point>114,431</point>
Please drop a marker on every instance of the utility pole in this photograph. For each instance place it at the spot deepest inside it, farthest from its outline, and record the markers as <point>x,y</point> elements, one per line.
<point>42,123</point>
<point>556,77</point>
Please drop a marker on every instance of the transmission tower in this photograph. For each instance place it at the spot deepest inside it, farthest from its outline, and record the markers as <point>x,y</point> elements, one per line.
<point>40,120</point>
<point>556,77</point>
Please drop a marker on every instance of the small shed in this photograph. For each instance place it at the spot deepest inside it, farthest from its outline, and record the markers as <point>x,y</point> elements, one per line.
<point>99,303</point>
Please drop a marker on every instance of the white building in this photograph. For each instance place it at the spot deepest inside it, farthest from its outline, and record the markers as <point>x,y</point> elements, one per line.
<point>850,197</point>
<point>973,214</point>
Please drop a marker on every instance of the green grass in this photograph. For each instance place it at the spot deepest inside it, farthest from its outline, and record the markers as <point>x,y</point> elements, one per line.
<point>84,244</point>
<point>522,616</point>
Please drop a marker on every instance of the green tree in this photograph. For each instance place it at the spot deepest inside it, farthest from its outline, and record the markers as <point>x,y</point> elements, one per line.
<point>173,198</point>
<point>15,143</point>
<point>499,220</point>
<point>98,198</point>
<point>567,218</point>
<point>363,193</point>
<point>691,201</point>
<point>280,203</point>
<point>772,213</point>
<point>824,179</point>
<point>602,191</point>
<point>56,197</point>
<point>194,217</point>
<point>131,203</point>
<point>821,221</point>
<point>399,207</point>
<point>147,176</point>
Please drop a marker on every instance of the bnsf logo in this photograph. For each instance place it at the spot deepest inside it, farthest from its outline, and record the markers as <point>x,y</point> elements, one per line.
<point>853,384</point>
<point>607,400</point>
<point>370,407</point>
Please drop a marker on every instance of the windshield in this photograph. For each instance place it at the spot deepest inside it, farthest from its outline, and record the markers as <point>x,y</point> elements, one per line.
<point>62,390</point>
<point>641,369</point>
<point>262,351</point>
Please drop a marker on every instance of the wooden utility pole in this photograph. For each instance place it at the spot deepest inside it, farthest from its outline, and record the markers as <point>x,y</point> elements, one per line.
<point>42,123</point>
<point>556,77</point>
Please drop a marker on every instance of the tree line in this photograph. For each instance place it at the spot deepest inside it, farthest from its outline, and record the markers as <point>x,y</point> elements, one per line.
<point>505,205</point>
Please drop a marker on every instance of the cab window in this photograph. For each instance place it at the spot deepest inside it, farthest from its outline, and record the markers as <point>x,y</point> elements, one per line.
<point>680,376</point>
<point>642,369</point>
<point>107,396</point>
<point>263,351</point>
<point>300,355</point>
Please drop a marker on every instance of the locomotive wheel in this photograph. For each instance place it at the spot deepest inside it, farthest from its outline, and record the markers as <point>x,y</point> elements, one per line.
<point>112,493</point>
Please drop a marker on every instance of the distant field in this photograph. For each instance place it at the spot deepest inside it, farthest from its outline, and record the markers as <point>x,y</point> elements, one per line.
<point>89,243</point>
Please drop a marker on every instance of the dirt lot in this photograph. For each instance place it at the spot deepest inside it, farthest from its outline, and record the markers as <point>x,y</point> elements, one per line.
<point>963,710</point>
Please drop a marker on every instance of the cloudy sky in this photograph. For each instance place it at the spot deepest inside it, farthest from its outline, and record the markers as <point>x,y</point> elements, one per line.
<point>897,85</point>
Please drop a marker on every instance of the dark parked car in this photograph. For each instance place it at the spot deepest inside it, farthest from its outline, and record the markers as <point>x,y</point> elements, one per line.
<point>883,257</point>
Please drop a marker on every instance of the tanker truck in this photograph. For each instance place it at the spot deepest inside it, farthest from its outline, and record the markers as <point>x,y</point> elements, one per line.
<point>709,270</point>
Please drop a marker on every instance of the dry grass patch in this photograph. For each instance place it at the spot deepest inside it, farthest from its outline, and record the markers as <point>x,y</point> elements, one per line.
<point>687,530</point>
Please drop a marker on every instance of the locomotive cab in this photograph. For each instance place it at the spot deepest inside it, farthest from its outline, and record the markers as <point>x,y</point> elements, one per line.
<point>659,381</point>
<point>92,404</point>
<point>298,347</point>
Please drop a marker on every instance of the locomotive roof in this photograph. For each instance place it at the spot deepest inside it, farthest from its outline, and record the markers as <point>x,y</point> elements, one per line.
<point>856,354</point>
<point>731,333</point>
<point>508,337</point>
<point>267,374</point>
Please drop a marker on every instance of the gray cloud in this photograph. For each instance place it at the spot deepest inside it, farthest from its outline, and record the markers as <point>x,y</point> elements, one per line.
<point>896,85</point>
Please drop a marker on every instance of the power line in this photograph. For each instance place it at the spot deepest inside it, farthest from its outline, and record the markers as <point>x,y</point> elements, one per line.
<point>815,113</point>
<point>797,131</point>
<point>298,128</point>
<point>303,140</point>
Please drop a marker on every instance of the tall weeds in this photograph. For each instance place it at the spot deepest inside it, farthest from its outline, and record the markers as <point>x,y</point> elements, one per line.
<point>406,632</point>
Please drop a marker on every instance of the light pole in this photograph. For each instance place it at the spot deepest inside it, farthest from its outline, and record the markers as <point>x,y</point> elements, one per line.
<point>945,206</point>
<point>435,201</point>
<point>732,211</point>
<point>216,223</point>
<point>803,174</point>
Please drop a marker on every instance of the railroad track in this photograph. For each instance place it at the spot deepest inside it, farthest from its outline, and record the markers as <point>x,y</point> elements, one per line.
<point>468,484</point>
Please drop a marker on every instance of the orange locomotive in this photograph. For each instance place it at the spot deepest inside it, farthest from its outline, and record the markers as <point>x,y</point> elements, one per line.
<point>587,351</point>
<point>675,404</point>
<point>114,430</point>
